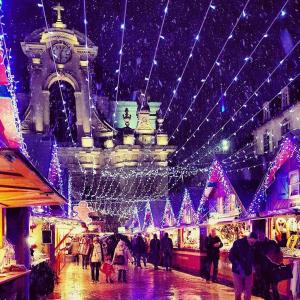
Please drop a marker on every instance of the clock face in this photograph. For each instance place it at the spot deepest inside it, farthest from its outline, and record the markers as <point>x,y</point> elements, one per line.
<point>61,53</point>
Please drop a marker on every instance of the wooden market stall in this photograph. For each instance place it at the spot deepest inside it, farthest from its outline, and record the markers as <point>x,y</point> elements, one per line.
<point>21,187</point>
<point>187,256</point>
<point>276,207</point>
<point>221,208</point>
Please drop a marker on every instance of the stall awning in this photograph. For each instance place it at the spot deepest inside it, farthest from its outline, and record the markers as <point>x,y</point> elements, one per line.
<point>22,185</point>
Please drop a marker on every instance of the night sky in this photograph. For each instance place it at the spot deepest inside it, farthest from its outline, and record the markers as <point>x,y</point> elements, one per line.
<point>182,23</point>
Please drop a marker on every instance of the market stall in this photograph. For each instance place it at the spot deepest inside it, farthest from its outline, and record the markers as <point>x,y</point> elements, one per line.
<point>276,207</point>
<point>168,224</point>
<point>221,208</point>
<point>21,186</point>
<point>187,256</point>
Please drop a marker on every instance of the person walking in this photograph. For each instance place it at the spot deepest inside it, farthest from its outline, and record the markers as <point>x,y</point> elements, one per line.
<point>268,255</point>
<point>95,259</point>
<point>75,245</point>
<point>120,260</point>
<point>85,247</point>
<point>140,250</point>
<point>241,256</point>
<point>154,251</point>
<point>167,251</point>
<point>213,244</point>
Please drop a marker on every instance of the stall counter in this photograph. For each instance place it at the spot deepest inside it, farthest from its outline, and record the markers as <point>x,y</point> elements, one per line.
<point>10,276</point>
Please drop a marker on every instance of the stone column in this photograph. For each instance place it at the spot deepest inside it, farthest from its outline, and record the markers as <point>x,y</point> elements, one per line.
<point>36,98</point>
<point>17,232</point>
<point>79,115</point>
<point>46,108</point>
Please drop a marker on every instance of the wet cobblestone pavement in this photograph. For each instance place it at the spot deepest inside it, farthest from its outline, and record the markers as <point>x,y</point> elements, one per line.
<point>145,284</point>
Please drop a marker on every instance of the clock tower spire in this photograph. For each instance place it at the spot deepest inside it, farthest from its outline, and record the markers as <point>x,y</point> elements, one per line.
<point>59,24</point>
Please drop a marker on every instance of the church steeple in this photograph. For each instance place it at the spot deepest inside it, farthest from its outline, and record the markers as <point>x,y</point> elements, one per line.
<point>58,24</point>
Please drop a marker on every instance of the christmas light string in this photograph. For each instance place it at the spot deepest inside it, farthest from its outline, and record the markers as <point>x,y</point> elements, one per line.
<point>208,74</point>
<point>196,40</point>
<point>118,71</point>
<point>238,153</point>
<point>154,61</point>
<point>91,104</point>
<point>261,108</point>
<point>70,200</point>
<point>250,119</point>
<point>255,93</point>
<point>247,59</point>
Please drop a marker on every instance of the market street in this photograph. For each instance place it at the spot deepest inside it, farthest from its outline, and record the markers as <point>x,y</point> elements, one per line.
<point>145,284</point>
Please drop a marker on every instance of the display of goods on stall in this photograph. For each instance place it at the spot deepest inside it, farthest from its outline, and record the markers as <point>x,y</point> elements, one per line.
<point>191,238</point>
<point>229,232</point>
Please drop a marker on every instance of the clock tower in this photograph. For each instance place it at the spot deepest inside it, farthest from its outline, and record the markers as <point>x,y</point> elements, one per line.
<point>61,100</point>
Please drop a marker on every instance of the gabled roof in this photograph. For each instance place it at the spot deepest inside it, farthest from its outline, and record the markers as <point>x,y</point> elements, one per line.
<point>217,175</point>
<point>22,185</point>
<point>187,200</point>
<point>168,209</point>
<point>289,146</point>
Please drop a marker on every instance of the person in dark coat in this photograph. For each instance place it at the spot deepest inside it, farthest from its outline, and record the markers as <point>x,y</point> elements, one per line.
<point>267,255</point>
<point>167,251</point>
<point>154,251</point>
<point>140,250</point>
<point>213,244</point>
<point>241,256</point>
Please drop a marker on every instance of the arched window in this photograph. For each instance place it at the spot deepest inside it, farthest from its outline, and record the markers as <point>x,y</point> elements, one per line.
<point>285,127</point>
<point>63,116</point>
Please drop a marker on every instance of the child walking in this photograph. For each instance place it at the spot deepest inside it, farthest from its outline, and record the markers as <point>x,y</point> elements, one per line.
<point>108,269</point>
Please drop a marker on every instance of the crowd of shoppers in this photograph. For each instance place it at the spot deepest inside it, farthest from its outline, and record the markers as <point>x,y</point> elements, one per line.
<point>251,254</point>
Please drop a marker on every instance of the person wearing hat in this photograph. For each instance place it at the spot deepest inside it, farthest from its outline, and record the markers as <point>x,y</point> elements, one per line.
<point>242,258</point>
<point>95,259</point>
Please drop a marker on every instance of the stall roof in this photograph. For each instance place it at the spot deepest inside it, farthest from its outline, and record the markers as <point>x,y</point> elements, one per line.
<point>22,185</point>
<point>289,145</point>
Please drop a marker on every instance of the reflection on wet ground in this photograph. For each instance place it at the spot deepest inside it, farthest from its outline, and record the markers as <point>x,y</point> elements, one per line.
<point>145,284</point>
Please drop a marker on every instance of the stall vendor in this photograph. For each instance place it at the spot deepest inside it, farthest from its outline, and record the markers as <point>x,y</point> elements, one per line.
<point>213,244</point>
